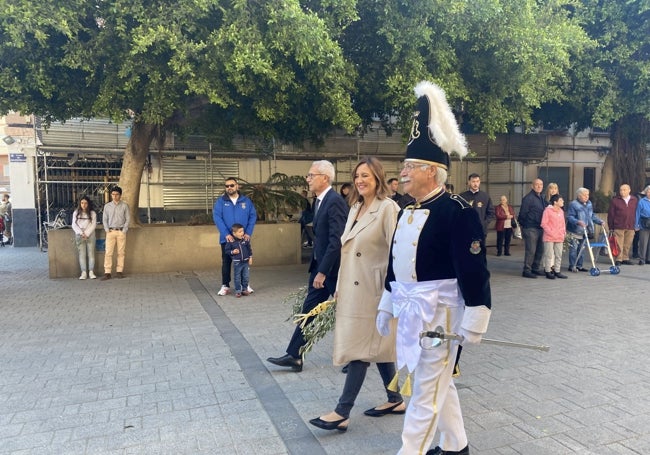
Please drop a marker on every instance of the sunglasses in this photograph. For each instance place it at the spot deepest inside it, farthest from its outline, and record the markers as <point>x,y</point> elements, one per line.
<point>232,185</point>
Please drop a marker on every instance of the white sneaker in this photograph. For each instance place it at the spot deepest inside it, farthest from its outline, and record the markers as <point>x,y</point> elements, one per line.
<point>91,275</point>
<point>225,290</point>
<point>83,276</point>
<point>250,290</point>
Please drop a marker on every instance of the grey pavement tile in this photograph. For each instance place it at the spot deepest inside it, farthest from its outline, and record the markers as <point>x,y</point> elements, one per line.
<point>544,446</point>
<point>600,433</point>
<point>637,424</point>
<point>138,366</point>
<point>27,441</point>
<point>541,427</point>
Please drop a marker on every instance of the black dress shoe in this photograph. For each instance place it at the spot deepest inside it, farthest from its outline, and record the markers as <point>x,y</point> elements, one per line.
<point>627,262</point>
<point>582,269</point>
<point>374,412</point>
<point>439,451</point>
<point>526,274</point>
<point>333,425</point>
<point>539,272</point>
<point>287,361</point>
<point>560,275</point>
<point>550,275</point>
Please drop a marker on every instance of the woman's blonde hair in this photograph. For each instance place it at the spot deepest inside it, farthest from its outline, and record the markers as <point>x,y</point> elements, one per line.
<point>551,186</point>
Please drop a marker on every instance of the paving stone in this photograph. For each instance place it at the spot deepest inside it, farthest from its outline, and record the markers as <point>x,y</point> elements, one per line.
<point>160,364</point>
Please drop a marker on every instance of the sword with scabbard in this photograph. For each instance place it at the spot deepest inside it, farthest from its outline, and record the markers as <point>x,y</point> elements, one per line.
<point>433,339</point>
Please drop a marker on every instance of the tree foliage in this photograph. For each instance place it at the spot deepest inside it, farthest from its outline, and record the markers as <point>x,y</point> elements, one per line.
<point>285,69</point>
<point>610,86</point>
<point>498,60</point>
<point>260,68</point>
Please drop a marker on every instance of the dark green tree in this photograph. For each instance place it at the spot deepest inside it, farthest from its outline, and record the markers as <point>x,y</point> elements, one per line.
<point>610,87</point>
<point>498,60</point>
<point>269,69</point>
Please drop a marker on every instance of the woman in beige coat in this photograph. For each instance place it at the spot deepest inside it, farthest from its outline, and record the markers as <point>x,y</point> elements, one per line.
<point>364,259</point>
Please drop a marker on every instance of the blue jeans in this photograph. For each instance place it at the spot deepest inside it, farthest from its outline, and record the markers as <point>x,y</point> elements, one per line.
<point>241,275</point>
<point>86,249</point>
<point>575,246</point>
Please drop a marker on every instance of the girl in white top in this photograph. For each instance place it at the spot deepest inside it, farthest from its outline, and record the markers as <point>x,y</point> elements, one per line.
<point>84,222</point>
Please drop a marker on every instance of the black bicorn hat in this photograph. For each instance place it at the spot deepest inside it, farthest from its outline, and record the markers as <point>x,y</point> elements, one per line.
<point>434,133</point>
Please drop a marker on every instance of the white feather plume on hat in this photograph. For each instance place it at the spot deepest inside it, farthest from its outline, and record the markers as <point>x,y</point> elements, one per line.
<point>443,125</point>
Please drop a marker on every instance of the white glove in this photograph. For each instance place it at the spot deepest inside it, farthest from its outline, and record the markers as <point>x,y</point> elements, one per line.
<point>383,322</point>
<point>470,337</point>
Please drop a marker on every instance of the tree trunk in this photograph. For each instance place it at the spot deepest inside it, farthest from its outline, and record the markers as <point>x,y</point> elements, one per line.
<point>135,157</point>
<point>607,176</point>
<point>629,138</point>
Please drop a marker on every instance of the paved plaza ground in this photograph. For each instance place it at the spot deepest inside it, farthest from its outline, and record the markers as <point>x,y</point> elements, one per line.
<point>159,364</point>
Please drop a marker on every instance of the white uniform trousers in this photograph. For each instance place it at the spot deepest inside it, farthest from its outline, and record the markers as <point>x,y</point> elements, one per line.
<point>434,403</point>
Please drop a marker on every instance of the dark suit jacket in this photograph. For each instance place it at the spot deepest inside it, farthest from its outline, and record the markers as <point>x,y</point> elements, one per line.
<point>329,224</point>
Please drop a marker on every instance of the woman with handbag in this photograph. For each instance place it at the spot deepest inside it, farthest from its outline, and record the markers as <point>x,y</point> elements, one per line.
<point>642,225</point>
<point>505,222</point>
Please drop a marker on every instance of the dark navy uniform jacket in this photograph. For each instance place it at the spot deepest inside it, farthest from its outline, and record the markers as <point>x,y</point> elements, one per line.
<point>451,245</point>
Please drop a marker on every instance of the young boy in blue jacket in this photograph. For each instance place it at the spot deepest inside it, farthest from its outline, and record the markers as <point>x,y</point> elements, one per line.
<point>242,257</point>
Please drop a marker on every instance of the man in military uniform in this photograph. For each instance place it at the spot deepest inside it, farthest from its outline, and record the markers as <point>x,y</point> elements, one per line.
<point>436,276</point>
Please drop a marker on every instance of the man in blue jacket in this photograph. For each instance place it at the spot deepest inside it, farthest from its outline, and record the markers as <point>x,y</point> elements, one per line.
<point>580,223</point>
<point>229,209</point>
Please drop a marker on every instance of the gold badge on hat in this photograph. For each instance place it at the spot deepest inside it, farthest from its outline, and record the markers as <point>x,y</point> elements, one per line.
<point>475,248</point>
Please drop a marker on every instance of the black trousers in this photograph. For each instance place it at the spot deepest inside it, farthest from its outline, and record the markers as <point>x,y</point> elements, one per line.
<point>503,240</point>
<point>354,380</point>
<point>314,297</point>
<point>533,249</point>
<point>226,264</point>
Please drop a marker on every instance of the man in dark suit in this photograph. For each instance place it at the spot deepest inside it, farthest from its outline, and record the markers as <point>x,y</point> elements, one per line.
<point>479,200</point>
<point>330,214</point>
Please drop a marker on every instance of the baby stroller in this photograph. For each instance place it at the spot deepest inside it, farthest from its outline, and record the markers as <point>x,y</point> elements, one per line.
<point>595,271</point>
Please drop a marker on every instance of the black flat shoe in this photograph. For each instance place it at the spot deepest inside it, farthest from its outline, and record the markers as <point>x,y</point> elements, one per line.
<point>334,425</point>
<point>287,361</point>
<point>582,269</point>
<point>374,412</point>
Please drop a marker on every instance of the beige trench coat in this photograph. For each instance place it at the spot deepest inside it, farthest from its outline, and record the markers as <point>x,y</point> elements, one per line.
<point>364,259</point>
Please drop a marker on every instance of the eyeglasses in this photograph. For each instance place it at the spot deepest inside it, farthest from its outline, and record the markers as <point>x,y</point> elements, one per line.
<point>232,185</point>
<point>408,167</point>
<point>311,176</point>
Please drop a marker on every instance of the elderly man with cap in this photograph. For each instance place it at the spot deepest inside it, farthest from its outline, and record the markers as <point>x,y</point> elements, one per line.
<point>437,277</point>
